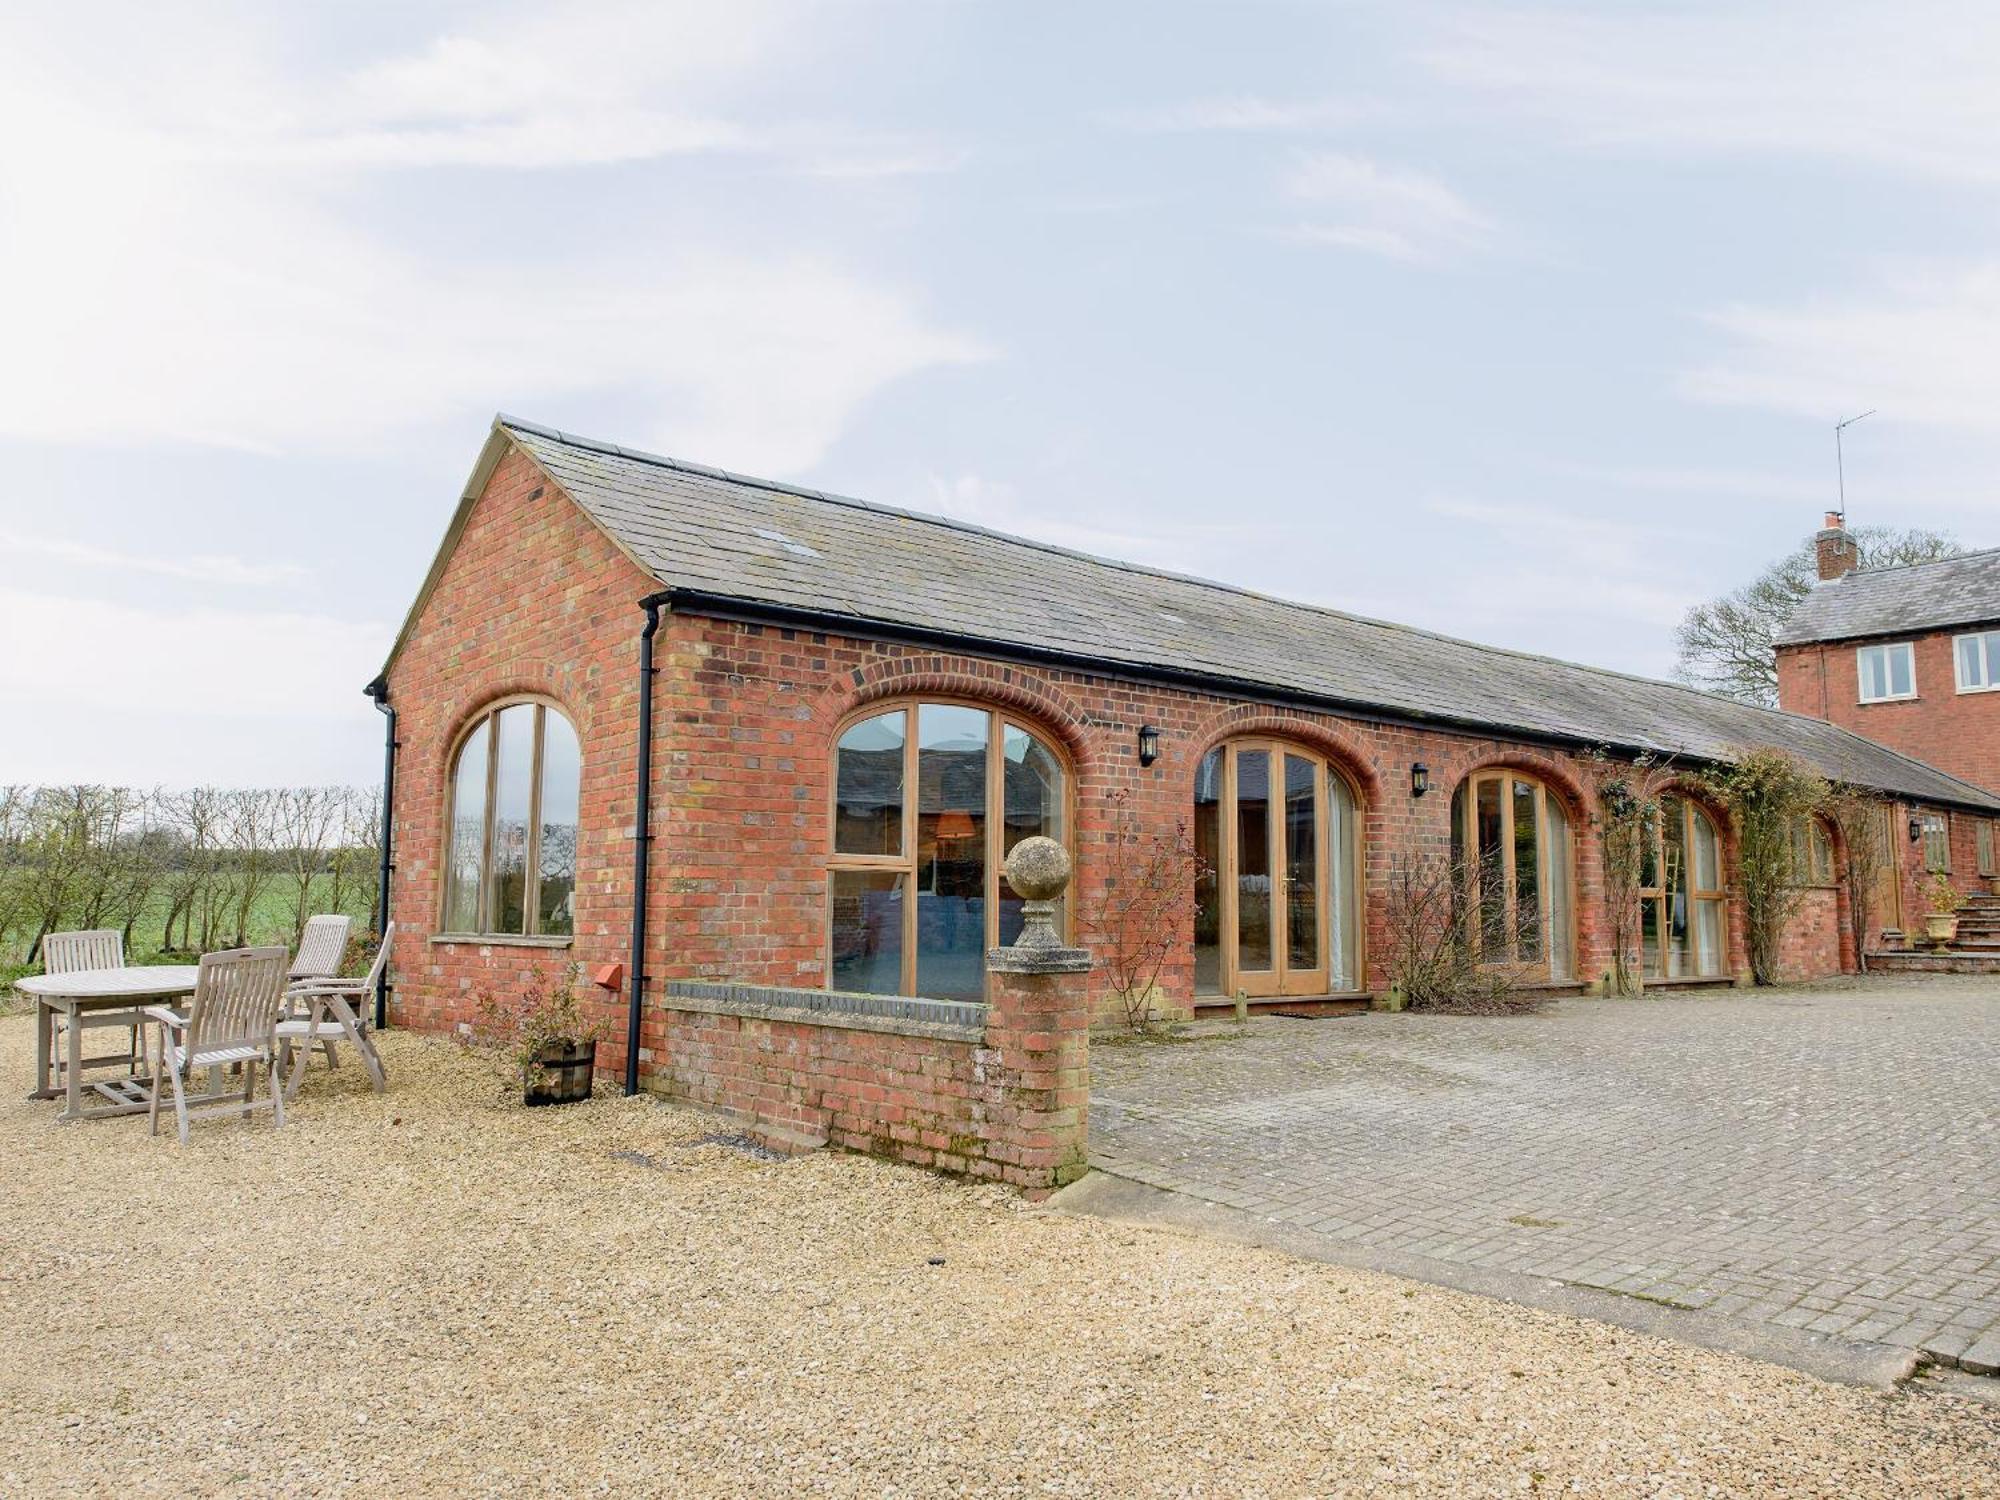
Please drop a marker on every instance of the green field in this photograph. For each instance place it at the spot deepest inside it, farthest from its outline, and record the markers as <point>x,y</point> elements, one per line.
<point>271,921</point>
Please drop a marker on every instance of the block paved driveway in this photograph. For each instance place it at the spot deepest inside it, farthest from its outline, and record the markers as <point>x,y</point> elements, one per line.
<point>1825,1160</point>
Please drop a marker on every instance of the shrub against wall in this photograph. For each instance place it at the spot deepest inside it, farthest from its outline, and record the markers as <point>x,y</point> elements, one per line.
<point>181,872</point>
<point>1768,794</point>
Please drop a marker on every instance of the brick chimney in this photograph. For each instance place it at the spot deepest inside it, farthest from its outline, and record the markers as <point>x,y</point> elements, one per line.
<point>1837,554</point>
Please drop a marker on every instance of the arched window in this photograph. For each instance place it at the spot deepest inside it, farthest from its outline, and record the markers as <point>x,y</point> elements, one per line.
<point>1511,850</point>
<point>511,867</point>
<point>928,798</point>
<point>1683,928</point>
<point>1276,906</point>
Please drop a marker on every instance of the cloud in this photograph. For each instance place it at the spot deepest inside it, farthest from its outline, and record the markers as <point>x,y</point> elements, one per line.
<point>281,683</point>
<point>1923,346</point>
<point>1749,484</point>
<point>1906,87</point>
<point>197,568</point>
<point>1359,204</point>
<point>167,292</point>
<point>1582,565</point>
<point>1245,114</point>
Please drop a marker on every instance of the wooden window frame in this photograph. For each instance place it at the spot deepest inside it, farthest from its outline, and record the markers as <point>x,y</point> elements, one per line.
<point>1468,792</point>
<point>1908,648</point>
<point>998,722</point>
<point>1984,836</point>
<point>1229,971</point>
<point>1812,842</point>
<point>1936,826</point>
<point>1660,893</point>
<point>487,720</point>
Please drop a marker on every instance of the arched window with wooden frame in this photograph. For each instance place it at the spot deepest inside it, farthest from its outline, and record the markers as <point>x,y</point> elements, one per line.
<point>1513,853</point>
<point>1277,904</point>
<point>1683,917</point>
<point>511,824</point>
<point>928,799</point>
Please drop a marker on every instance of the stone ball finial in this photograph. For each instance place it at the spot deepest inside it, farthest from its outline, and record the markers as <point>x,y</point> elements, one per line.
<point>1038,869</point>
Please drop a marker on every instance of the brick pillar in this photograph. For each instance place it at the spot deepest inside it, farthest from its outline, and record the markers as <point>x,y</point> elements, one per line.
<point>1038,1032</point>
<point>1037,1120</point>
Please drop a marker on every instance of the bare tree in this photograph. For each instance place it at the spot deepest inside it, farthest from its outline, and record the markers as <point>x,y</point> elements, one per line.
<point>310,821</point>
<point>1149,881</point>
<point>1859,817</point>
<point>1433,953</point>
<point>1629,794</point>
<point>1728,646</point>
<point>250,821</point>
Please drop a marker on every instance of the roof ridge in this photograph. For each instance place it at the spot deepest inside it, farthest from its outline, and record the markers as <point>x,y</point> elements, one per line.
<point>807,492</point>
<point>1904,567</point>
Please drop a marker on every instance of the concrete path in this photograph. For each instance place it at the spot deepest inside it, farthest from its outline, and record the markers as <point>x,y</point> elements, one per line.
<point>1803,1166</point>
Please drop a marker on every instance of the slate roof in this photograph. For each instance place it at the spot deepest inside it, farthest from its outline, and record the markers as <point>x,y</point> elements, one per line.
<point>734,538</point>
<point>1910,600</point>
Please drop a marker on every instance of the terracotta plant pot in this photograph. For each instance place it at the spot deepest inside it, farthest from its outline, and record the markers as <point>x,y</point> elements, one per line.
<point>566,1070</point>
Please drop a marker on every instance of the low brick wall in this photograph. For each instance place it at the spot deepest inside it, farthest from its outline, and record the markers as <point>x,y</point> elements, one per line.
<point>994,1091</point>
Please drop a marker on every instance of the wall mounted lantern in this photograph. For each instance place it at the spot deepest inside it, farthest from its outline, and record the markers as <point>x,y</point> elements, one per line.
<point>1916,829</point>
<point>1420,778</point>
<point>1149,744</point>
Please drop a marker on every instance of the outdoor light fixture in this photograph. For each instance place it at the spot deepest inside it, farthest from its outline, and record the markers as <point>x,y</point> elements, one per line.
<point>1149,744</point>
<point>1420,778</point>
<point>1916,829</point>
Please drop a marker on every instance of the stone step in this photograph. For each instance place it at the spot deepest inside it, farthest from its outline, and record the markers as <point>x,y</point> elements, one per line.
<point>1936,961</point>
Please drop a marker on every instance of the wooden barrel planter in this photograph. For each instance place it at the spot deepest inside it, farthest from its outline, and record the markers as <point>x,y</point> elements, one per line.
<point>565,1074</point>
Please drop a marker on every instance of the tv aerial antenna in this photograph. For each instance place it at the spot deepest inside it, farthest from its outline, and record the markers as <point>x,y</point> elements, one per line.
<point>1840,458</point>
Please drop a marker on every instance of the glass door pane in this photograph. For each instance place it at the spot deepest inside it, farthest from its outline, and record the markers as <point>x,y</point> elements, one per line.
<point>952,745</point>
<point>1302,949</point>
<point>1527,874</point>
<point>1207,884</point>
<point>1253,860</point>
<point>1489,848</point>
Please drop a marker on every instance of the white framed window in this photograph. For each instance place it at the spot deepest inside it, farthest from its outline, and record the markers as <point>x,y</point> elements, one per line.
<point>1886,672</point>
<point>1978,661</point>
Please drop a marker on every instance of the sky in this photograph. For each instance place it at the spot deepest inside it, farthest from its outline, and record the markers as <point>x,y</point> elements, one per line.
<point>1524,323</point>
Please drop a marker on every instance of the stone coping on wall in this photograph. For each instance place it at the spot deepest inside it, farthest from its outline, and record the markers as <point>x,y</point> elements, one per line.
<point>944,1020</point>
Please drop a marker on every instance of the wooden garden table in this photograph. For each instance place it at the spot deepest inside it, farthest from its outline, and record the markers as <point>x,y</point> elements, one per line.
<point>86,993</point>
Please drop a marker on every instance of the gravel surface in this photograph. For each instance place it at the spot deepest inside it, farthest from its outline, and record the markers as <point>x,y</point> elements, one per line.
<point>439,1292</point>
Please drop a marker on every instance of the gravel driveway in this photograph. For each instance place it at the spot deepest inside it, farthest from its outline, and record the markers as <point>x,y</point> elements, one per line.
<point>1824,1161</point>
<point>437,1292</point>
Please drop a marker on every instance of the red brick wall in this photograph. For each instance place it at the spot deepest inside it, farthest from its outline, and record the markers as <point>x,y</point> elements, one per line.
<point>536,599</point>
<point>1957,732</point>
<point>1819,941</point>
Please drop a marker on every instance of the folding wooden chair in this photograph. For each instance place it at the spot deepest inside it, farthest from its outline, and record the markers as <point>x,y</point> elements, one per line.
<point>334,1010</point>
<point>232,1019</point>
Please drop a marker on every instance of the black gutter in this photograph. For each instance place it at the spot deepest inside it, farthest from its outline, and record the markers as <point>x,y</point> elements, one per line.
<point>379,691</point>
<point>642,836</point>
<point>726,607</point>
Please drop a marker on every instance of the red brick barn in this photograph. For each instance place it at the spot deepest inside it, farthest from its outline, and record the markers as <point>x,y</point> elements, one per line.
<point>855,712</point>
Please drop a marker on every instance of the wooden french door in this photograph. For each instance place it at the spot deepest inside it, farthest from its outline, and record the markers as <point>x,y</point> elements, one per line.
<point>1274,859</point>
<point>1519,883</point>
<point>1888,902</point>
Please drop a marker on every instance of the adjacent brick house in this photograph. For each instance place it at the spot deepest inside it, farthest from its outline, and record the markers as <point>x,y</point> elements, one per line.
<point>1908,656</point>
<point>855,713</point>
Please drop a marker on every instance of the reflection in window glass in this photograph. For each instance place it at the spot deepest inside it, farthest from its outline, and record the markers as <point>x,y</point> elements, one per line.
<point>1253,859</point>
<point>951,851</point>
<point>513,776</point>
<point>511,868</point>
<point>562,778</point>
<point>868,786</point>
<point>1527,875</point>
<point>1208,889</point>
<point>1562,922</point>
<point>967,787</point>
<point>868,931</point>
<point>468,834</point>
<point>1031,802</point>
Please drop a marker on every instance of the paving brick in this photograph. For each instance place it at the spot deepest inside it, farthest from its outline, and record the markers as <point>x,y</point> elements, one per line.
<point>1776,1157</point>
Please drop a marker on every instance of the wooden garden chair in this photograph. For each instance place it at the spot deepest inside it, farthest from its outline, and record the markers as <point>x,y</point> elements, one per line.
<point>321,948</point>
<point>67,953</point>
<point>232,1020</point>
<point>326,1011</point>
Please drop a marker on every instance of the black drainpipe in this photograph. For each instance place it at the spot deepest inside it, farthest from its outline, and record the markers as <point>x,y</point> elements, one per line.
<point>379,691</point>
<point>642,836</point>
